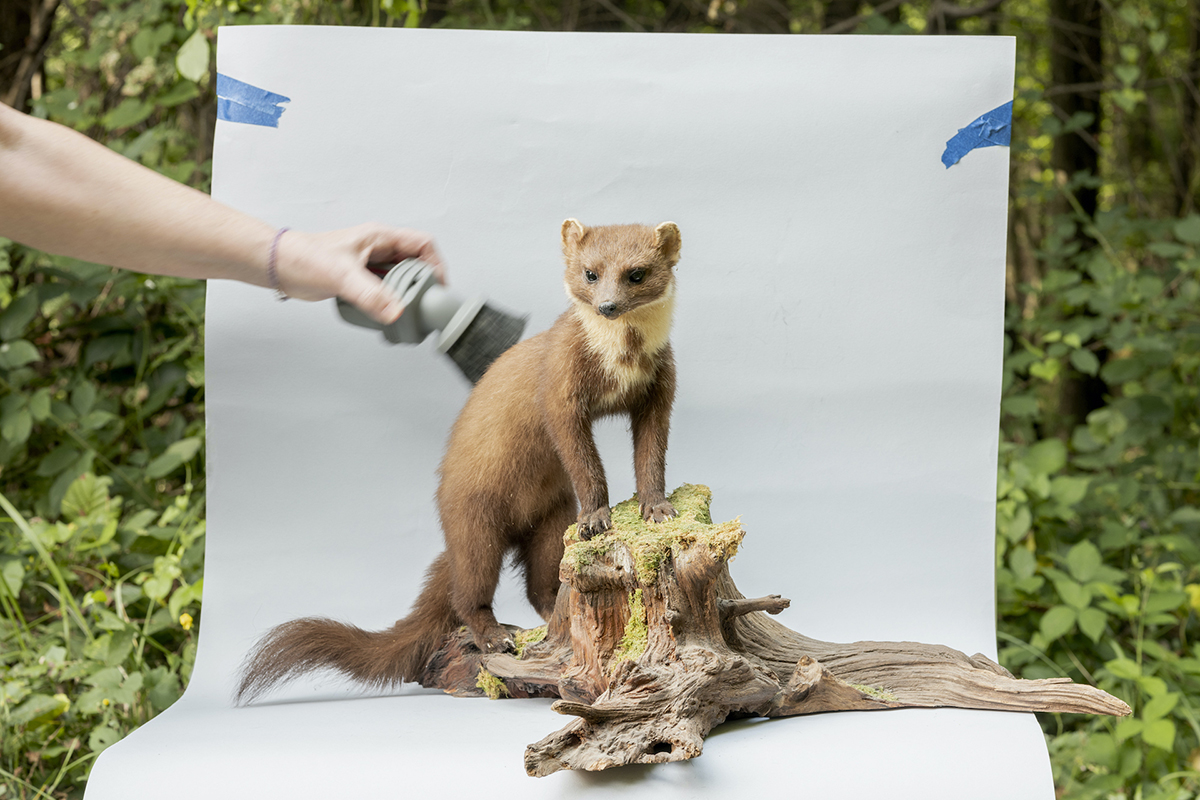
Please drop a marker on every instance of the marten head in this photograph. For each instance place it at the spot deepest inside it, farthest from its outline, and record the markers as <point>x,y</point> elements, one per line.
<point>616,269</point>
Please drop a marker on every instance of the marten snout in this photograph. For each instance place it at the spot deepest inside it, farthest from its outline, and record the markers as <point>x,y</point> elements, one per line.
<point>609,309</point>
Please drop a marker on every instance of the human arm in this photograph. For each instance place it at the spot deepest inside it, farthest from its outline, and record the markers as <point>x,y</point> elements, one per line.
<point>66,194</point>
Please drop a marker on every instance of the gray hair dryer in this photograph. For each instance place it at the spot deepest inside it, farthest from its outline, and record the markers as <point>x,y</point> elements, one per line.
<point>470,332</point>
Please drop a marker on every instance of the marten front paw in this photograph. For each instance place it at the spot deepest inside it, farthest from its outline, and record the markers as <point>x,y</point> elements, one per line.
<point>496,640</point>
<point>594,523</point>
<point>659,511</point>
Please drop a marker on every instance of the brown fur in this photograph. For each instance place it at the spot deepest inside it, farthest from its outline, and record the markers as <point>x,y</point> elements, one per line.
<point>521,460</point>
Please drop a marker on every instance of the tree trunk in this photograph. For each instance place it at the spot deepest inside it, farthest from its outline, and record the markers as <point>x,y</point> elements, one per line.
<point>651,646</point>
<point>25,28</point>
<point>1189,119</point>
<point>1077,71</point>
<point>1076,61</point>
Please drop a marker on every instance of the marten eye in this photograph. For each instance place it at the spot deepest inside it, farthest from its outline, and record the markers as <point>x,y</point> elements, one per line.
<point>637,276</point>
<point>591,276</point>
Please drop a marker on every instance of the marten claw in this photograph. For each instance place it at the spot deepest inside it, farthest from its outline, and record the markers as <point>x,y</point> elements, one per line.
<point>497,641</point>
<point>658,512</point>
<point>595,523</point>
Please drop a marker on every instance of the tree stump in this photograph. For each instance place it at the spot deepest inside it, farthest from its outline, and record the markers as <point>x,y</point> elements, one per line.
<point>651,646</point>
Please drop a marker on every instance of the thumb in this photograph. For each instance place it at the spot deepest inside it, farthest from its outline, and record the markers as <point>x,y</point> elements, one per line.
<point>370,295</point>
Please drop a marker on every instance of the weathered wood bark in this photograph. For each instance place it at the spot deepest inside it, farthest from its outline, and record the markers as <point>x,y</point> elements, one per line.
<point>651,646</point>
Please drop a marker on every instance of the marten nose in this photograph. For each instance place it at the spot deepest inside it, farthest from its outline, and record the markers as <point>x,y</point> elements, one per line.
<point>608,308</point>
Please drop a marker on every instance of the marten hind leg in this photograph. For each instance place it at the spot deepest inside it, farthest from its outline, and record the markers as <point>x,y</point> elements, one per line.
<point>541,554</point>
<point>477,546</point>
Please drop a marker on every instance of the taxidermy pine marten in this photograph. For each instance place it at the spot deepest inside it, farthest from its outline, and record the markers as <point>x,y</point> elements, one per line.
<point>522,465</point>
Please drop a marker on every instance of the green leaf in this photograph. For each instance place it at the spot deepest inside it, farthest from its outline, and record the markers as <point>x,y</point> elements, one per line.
<point>1046,457</point>
<point>109,678</point>
<point>1046,370</point>
<point>1127,73</point>
<point>102,738</point>
<point>1158,42</point>
<point>1152,685</point>
<point>139,521</point>
<point>1124,668</point>
<point>1167,249</point>
<point>1158,602</point>
<point>1057,622</point>
<point>119,647</point>
<point>1101,749</point>
<point>18,315</point>
<point>1160,733</point>
<point>1022,562</point>
<point>1158,707</point>
<point>176,455</point>
<point>1083,560</point>
<point>1188,229</point>
<point>1085,361</point>
<point>181,92</point>
<point>1185,514</point>
<point>1128,728</point>
<point>192,59</point>
<point>1019,525</point>
<point>13,575</point>
<point>113,349</point>
<point>1073,594</point>
<point>157,587</point>
<point>184,596</point>
<point>94,420</point>
<point>162,687</point>
<point>130,112</point>
<point>63,482</point>
<point>1092,622</point>
<point>1022,405</point>
<point>16,427</point>
<point>1068,490</point>
<point>39,405</point>
<point>39,708</point>
<point>18,353</point>
<point>85,496</point>
<point>57,460</point>
<point>83,398</point>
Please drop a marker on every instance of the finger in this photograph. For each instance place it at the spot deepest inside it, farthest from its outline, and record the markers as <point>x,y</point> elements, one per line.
<point>367,292</point>
<point>395,244</point>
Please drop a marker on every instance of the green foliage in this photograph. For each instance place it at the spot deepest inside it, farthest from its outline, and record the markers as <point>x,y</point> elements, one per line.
<point>101,427</point>
<point>101,538</point>
<point>1097,518</point>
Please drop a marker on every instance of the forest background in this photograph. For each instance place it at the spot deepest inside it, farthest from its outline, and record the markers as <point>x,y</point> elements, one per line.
<point>1098,512</point>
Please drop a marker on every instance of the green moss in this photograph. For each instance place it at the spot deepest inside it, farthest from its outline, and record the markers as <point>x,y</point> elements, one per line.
<point>490,685</point>
<point>651,542</point>
<point>527,637</point>
<point>877,693</point>
<point>637,633</point>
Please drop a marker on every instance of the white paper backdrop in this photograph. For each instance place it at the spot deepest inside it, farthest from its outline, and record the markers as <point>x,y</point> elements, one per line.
<point>838,338</point>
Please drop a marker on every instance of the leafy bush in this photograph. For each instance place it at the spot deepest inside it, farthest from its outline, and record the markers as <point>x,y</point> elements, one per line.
<point>101,371</point>
<point>101,427</point>
<point>1099,566</point>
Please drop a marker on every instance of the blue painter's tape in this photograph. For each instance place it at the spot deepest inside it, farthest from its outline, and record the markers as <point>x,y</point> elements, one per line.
<point>241,102</point>
<point>993,129</point>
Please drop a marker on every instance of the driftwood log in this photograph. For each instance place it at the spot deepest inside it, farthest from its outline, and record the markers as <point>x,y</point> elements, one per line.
<point>651,646</point>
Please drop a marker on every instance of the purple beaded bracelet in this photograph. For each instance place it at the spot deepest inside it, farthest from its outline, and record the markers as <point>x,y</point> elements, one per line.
<point>272,274</point>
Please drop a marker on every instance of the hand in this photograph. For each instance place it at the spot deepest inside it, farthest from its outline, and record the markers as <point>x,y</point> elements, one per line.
<point>317,266</point>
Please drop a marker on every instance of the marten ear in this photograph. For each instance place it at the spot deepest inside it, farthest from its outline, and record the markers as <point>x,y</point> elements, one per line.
<point>572,234</point>
<point>667,241</point>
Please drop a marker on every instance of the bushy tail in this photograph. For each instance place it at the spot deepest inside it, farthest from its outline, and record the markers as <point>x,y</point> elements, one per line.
<point>373,658</point>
